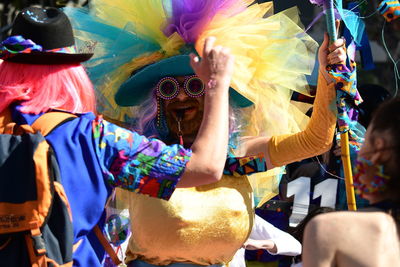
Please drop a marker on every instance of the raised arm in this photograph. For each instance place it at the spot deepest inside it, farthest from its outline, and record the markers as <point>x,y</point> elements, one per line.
<point>318,135</point>
<point>209,149</point>
<point>133,162</point>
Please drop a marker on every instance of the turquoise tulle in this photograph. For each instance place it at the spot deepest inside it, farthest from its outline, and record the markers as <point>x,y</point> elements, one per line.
<point>352,21</point>
<point>114,47</point>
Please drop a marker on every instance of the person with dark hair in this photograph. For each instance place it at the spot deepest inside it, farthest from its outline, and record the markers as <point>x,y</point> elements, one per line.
<point>41,74</point>
<point>369,237</point>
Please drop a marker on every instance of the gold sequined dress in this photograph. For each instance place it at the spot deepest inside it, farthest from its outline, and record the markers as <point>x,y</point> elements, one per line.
<point>203,225</point>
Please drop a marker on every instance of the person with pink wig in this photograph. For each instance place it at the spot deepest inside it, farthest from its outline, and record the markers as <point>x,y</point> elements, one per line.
<point>40,72</point>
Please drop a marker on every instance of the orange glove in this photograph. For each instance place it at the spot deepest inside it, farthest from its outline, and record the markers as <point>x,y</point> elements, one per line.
<point>316,138</point>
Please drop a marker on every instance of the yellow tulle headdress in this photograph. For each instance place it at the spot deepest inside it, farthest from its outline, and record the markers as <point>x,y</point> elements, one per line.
<point>133,37</point>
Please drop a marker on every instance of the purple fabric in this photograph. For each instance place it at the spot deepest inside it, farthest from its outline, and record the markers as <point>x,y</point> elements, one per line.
<point>337,16</point>
<point>17,45</point>
<point>353,114</point>
<point>314,21</point>
<point>326,4</point>
<point>190,17</point>
<point>318,2</point>
<point>150,149</point>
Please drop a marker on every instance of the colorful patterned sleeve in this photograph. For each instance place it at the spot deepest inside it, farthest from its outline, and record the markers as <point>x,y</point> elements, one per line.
<point>138,164</point>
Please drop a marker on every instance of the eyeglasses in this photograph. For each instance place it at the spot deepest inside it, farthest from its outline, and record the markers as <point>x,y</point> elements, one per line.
<point>168,87</point>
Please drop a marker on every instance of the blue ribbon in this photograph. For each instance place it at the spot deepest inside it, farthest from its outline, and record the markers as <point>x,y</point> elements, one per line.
<point>14,45</point>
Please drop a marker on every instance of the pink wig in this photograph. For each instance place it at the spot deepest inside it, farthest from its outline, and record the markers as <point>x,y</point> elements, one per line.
<point>40,88</point>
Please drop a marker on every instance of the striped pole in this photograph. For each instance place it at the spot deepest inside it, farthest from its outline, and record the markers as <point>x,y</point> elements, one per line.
<point>344,137</point>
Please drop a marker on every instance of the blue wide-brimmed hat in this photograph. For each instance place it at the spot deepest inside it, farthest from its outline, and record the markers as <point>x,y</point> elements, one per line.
<point>140,84</point>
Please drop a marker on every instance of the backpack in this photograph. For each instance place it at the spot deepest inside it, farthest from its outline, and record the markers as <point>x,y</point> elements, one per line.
<point>35,219</point>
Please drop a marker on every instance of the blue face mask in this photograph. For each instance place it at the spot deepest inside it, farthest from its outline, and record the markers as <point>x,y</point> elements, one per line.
<point>377,183</point>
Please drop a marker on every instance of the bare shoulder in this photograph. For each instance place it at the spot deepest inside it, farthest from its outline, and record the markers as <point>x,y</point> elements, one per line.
<point>352,239</point>
<point>336,218</point>
<point>335,225</point>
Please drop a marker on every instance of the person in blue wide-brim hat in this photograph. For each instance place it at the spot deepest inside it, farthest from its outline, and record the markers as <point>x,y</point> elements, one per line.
<point>143,76</point>
<point>43,84</point>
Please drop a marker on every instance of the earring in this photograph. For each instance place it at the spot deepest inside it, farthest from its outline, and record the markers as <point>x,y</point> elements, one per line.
<point>159,112</point>
<point>161,123</point>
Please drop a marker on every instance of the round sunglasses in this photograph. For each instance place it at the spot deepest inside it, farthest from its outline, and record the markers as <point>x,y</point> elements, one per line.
<point>168,87</point>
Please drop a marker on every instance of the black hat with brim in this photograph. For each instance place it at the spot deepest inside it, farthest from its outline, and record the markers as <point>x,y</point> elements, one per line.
<point>50,29</point>
<point>47,58</point>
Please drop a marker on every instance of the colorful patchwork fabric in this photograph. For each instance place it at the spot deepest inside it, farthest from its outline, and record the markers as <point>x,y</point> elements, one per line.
<point>377,184</point>
<point>18,45</point>
<point>389,9</point>
<point>64,50</point>
<point>347,98</point>
<point>135,163</point>
<point>238,166</point>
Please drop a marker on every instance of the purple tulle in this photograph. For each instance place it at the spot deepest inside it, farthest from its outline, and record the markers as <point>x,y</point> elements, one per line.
<point>318,2</point>
<point>190,17</point>
<point>318,16</point>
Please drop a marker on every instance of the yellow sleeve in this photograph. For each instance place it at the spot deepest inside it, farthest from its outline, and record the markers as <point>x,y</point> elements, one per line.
<point>316,138</point>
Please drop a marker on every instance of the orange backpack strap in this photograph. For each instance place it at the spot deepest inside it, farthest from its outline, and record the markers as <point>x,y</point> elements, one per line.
<point>5,118</point>
<point>106,245</point>
<point>36,248</point>
<point>48,121</point>
<point>45,124</point>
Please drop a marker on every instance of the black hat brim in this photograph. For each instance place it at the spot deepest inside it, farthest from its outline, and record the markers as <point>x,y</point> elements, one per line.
<point>47,58</point>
